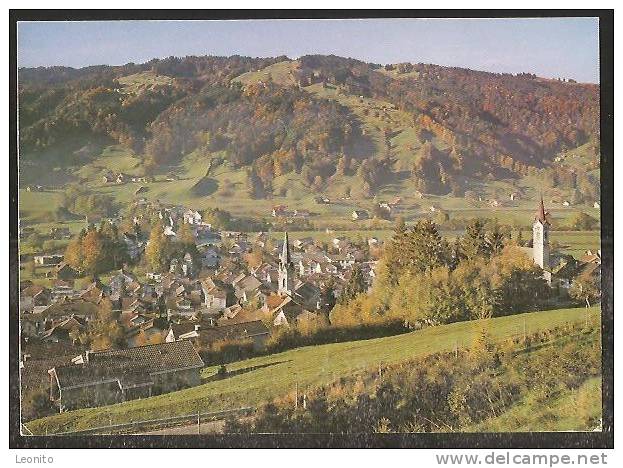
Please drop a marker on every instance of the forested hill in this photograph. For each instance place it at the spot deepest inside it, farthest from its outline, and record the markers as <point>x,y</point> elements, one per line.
<point>318,116</point>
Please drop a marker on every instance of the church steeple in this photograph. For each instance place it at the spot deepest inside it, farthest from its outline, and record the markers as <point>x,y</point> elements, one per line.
<point>286,269</point>
<point>541,214</point>
<point>285,251</point>
<point>540,239</point>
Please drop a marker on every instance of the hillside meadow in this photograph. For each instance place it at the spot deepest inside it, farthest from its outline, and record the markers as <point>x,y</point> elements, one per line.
<point>254,381</point>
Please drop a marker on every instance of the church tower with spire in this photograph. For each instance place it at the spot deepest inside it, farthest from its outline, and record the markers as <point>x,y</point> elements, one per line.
<point>286,269</point>
<point>540,238</point>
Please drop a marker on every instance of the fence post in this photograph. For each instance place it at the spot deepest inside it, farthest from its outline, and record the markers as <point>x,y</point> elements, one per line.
<point>198,423</point>
<point>524,332</point>
<point>296,396</point>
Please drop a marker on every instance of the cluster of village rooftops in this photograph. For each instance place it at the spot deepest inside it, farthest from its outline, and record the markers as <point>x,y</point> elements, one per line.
<point>199,302</point>
<point>191,308</point>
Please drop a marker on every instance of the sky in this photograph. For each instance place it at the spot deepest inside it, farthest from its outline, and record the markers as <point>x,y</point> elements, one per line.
<point>548,47</point>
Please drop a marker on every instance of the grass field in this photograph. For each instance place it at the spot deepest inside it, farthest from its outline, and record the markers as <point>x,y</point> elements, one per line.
<point>576,242</point>
<point>569,411</point>
<point>257,380</point>
<point>132,84</point>
<point>279,73</point>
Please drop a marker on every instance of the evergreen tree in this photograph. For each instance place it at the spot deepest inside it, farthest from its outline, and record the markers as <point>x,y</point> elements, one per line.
<point>495,240</point>
<point>456,254</point>
<point>355,285</point>
<point>425,249</point>
<point>394,252</point>
<point>328,295</point>
<point>474,241</point>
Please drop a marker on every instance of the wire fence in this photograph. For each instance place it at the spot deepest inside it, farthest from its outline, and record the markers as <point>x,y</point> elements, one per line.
<point>142,426</point>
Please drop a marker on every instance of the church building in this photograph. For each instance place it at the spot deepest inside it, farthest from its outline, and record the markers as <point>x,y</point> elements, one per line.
<point>294,298</point>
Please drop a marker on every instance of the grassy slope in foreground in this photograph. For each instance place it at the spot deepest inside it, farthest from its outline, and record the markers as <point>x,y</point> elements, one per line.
<point>260,379</point>
<point>569,411</point>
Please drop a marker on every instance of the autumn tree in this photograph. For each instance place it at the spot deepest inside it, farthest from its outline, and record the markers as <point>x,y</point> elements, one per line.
<point>583,222</point>
<point>585,289</point>
<point>93,254</point>
<point>254,258</point>
<point>186,243</point>
<point>31,268</point>
<point>158,248</point>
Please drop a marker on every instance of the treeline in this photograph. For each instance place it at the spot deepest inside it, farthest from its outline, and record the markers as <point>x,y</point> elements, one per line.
<point>268,129</point>
<point>445,392</point>
<point>424,280</point>
<point>64,108</point>
<point>489,116</point>
<point>97,249</point>
<point>493,125</point>
<point>77,200</point>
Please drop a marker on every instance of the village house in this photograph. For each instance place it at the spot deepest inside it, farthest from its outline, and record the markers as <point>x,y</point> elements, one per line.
<point>266,273</point>
<point>204,336</point>
<point>113,376</point>
<point>60,233</point>
<point>358,215</point>
<point>246,287</point>
<point>108,178</point>
<point>301,214</point>
<point>65,272</point>
<point>218,294</point>
<point>123,282</point>
<point>300,244</point>
<point>47,260</point>
<point>192,217</point>
<point>207,238</point>
<point>34,295</point>
<point>62,289</point>
<point>209,259</point>
<point>134,246</point>
<point>187,265</point>
<point>64,330</point>
<point>140,329</point>
<point>280,211</point>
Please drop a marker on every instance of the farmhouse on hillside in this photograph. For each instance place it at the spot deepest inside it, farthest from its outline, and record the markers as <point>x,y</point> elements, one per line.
<point>358,215</point>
